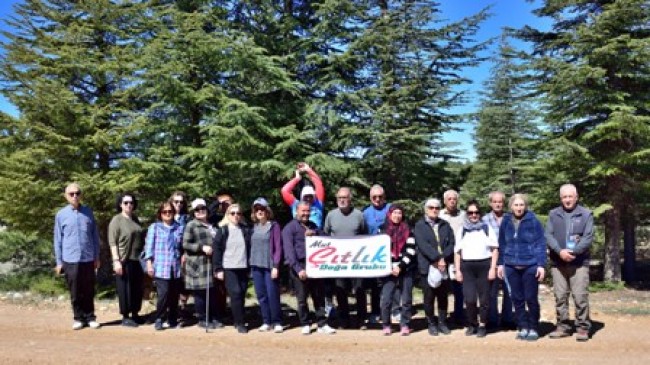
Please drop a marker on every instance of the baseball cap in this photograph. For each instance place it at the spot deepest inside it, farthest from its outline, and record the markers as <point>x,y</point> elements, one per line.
<point>261,201</point>
<point>198,203</point>
<point>307,190</point>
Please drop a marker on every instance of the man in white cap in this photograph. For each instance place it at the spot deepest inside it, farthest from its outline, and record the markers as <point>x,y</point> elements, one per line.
<point>314,197</point>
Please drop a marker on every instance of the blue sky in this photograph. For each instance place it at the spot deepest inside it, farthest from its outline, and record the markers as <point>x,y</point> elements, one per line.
<point>505,13</point>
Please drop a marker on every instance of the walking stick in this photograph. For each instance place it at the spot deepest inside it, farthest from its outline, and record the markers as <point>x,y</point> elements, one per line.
<point>207,297</point>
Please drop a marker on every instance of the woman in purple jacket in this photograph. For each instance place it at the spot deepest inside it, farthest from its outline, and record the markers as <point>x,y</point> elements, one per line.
<point>266,253</point>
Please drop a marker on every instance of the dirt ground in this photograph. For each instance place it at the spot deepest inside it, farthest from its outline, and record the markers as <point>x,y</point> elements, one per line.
<point>37,332</point>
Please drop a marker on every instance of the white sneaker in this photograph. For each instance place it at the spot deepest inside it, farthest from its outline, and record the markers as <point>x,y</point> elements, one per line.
<point>326,329</point>
<point>264,328</point>
<point>76,325</point>
<point>94,324</point>
<point>278,328</point>
<point>306,330</point>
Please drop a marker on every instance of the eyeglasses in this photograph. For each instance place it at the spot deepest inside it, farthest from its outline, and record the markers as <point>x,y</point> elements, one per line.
<point>178,202</point>
<point>200,209</point>
<point>260,209</point>
<point>167,211</point>
<point>473,212</point>
<point>127,202</point>
<point>433,208</point>
<point>235,213</point>
<point>75,193</point>
<point>377,197</point>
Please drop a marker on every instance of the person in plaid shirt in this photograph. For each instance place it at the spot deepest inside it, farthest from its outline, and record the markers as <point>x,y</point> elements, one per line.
<point>162,249</point>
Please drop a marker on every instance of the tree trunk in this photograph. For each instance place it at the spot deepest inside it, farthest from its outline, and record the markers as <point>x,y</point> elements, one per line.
<point>612,259</point>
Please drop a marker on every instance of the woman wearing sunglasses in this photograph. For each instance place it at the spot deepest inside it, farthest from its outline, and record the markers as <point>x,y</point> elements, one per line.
<point>162,249</point>
<point>231,254</point>
<point>476,258</point>
<point>125,242</point>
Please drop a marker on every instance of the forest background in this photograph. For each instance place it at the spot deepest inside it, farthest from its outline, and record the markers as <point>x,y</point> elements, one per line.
<point>153,96</point>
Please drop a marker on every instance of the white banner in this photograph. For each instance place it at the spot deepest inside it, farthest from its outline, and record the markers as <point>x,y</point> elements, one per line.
<point>353,257</point>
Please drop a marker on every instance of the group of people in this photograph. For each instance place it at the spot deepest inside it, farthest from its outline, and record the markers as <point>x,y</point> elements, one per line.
<point>213,252</point>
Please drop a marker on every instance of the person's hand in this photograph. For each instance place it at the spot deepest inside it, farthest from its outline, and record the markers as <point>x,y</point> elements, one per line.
<point>274,273</point>
<point>150,268</point>
<point>500,271</point>
<point>459,276</point>
<point>298,176</point>
<point>183,259</point>
<point>220,275</point>
<point>207,250</point>
<point>305,167</point>
<point>302,275</point>
<point>396,271</point>
<point>540,274</point>
<point>57,269</point>
<point>492,273</point>
<point>117,267</point>
<point>98,263</point>
<point>310,232</point>
<point>567,255</point>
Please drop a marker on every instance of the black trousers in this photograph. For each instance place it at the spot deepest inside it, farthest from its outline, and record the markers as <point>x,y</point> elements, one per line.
<point>476,286</point>
<point>168,291</point>
<point>343,289</point>
<point>80,278</point>
<point>130,288</point>
<point>236,282</point>
<point>316,289</point>
<point>431,295</point>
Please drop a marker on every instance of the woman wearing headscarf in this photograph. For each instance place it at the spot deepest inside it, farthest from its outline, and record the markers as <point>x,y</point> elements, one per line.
<point>402,252</point>
<point>125,242</point>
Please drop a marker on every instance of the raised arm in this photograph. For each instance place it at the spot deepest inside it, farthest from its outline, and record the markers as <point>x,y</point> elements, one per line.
<point>318,183</point>
<point>287,189</point>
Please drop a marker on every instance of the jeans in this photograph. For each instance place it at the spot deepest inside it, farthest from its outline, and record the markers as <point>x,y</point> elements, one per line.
<point>268,295</point>
<point>168,291</point>
<point>572,280</point>
<point>523,287</point>
<point>506,304</point>
<point>236,283</point>
<point>390,285</point>
<point>80,278</point>
<point>130,288</point>
<point>315,288</point>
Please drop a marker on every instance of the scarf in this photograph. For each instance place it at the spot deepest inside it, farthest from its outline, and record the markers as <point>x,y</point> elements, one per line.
<point>398,233</point>
<point>469,226</point>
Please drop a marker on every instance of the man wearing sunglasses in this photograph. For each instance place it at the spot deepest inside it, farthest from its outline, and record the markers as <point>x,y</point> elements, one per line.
<point>76,248</point>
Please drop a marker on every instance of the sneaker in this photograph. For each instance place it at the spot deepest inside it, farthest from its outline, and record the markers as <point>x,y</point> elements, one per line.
<point>94,325</point>
<point>306,330</point>
<point>264,328</point>
<point>433,329</point>
<point>405,331</point>
<point>158,325</point>
<point>76,325</point>
<point>582,335</point>
<point>242,329</point>
<point>215,324</point>
<point>128,322</point>
<point>532,336</point>
<point>481,332</point>
<point>522,334</point>
<point>278,328</point>
<point>444,329</point>
<point>470,331</point>
<point>327,330</point>
<point>386,331</point>
<point>559,332</point>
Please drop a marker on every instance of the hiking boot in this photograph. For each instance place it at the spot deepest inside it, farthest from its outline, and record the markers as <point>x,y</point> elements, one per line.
<point>443,328</point>
<point>559,332</point>
<point>481,332</point>
<point>470,331</point>
<point>582,335</point>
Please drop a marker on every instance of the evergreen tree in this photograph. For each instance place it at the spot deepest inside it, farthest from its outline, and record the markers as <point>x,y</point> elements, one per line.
<point>595,73</point>
<point>505,130</point>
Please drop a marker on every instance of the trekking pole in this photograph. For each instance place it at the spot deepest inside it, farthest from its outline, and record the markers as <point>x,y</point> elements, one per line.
<point>207,297</point>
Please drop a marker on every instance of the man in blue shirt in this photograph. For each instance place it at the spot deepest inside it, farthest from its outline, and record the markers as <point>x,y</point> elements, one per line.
<point>76,248</point>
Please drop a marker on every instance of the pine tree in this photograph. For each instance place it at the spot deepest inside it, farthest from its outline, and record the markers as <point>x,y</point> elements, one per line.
<point>505,130</point>
<point>594,67</point>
